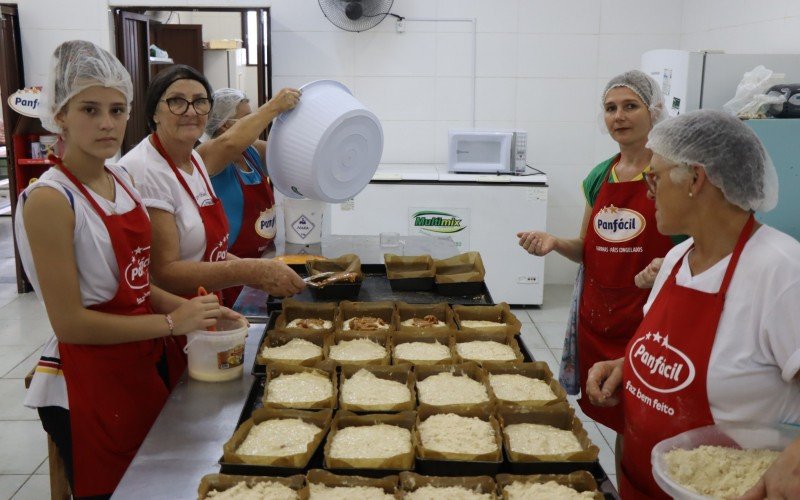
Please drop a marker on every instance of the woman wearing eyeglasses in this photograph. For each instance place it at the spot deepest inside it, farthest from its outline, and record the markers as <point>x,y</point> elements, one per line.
<point>720,338</point>
<point>618,236</point>
<point>190,230</point>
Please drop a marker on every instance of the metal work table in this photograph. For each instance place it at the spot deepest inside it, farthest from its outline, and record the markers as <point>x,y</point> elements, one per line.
<point>185,442</point>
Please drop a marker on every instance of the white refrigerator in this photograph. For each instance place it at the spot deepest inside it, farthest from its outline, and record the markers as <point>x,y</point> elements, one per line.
<point>479,212</point>
<point>707,80</point>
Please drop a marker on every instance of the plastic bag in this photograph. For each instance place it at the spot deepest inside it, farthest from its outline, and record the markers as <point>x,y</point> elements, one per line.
<point>750,100</point>
<point>568,373</point>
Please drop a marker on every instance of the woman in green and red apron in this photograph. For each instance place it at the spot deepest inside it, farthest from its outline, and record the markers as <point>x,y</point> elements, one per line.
<point>720,338</point>
<point>190,230</point>
<point>618,235</point>
<point>84,241</point>
<point>242,185</point>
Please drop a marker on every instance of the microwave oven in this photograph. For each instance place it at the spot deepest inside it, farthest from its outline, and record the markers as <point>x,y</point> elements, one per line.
<point>489,152</point>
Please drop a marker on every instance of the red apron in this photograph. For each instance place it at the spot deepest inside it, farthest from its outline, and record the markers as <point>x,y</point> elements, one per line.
<point>258,223</point>
<point>620,241</point>
<point>665,372</point>
<point>115,392</point>
<point>216,227</point>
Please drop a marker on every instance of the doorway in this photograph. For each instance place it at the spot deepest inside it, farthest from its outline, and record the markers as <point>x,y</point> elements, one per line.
<point>138,28</point>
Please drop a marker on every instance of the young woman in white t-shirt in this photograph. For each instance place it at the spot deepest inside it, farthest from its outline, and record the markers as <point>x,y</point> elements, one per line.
<point>720,338</point>
<point>84,240</point>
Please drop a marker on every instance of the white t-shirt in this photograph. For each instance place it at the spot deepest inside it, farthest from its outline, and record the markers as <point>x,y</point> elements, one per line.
<point>756,352</point>
<point>98,271</point>
<point>161,189</point>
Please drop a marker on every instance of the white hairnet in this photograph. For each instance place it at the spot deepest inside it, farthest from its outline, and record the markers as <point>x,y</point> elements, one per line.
<point>642,85</point>
<point>75,66</point>
<point>225,104</point>
<point>734,159</point>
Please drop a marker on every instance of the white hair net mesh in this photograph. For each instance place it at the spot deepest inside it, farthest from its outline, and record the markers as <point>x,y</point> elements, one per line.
<point>642,85</point>
<point>75,66</point>
<point>734,159</point>
<point>225,103</point>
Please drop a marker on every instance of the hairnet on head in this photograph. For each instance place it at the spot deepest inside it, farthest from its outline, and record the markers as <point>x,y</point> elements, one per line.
<point>642,85</point>
<point>225,104</point>
<point>75,66</point>
<point>734,159</point>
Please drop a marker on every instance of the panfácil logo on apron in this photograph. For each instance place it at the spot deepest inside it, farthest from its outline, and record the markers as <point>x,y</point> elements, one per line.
<point>136,272</point>
<point>265,224</point>
<point>660,366</point>
<point>616,224</point>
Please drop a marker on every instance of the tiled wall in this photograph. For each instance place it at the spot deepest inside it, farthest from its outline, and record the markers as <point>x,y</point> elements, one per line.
<point>541,66</point>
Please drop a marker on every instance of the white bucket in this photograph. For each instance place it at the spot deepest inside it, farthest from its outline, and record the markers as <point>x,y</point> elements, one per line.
<point>302,221</point>
<point>217,356</point>
<point>327,148</point>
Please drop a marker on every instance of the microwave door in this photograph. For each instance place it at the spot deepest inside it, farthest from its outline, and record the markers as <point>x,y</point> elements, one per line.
<point>484,154</point>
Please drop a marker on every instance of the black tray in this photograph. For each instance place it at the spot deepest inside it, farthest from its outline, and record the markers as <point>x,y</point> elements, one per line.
<point>376,287</point>
<point>422,466</point>
<point>466,288</point>
<point>412,284</point>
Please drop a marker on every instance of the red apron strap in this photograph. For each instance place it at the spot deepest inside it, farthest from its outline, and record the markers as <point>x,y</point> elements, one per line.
<point>163,152</point>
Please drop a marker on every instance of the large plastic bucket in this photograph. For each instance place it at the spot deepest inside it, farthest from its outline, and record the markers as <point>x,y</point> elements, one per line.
<point>327,148</point>
<point>302,221</point>
<point>217,356</point>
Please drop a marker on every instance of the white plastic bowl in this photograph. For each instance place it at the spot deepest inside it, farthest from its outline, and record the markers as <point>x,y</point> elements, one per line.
<point>327,148</point>
<point>743,436</point>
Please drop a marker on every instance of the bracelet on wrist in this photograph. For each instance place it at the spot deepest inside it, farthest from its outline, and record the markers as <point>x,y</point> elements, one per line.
<point>170,324</point>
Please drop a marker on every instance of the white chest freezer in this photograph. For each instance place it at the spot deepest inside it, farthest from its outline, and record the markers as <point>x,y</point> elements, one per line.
<point>479,212</point>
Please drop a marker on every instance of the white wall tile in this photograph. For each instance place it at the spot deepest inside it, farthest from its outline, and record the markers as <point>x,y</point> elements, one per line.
<point>398,98</point>
<point>760,37</point>
<point>408,141</point>
<point>495,16</point>
<point>557,56</point>
<point>291,15</point>
<point>546,16</point>
<point>421,9</point>
<point>496,99</point>
<point>61,14</point>
<point>453,99</point>
<point>312,53</point>
<point>641,16</point>
<point>38,46</point>
<point>792,8</point>
<point>454,54</point>
<point>393,54</point>
<point>497,54</point>
<point>620,53</point>
<point>710,14</point>
<point>497,124</point>
<point>560,143</point>
<point>546,99</point>
<point>565,184</point>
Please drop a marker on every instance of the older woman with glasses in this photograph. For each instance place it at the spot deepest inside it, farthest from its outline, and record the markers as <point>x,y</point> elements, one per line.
<point>720,338</point>
<point>190,230</point>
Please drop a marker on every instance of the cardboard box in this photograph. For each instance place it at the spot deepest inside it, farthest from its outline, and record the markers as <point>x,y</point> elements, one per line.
<point>275,338</point>
<point>484,414</point>
<point>441,312</point>
<point>410,482</point>
<point>223,482</point>
<point>381,338</point>
<point>470,370</point>
<point>412,273</point>
<point>442,336</point>
<point>498,313</point>
<point>384,310</point>
<point>294,309</point>
<point>537,370</point>
<point>462,337</point>
<point>579,481</point>
<point>318,476</point>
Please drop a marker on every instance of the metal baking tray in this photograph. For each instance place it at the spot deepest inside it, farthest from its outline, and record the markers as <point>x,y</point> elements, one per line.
<point>376,287</point>
<point>260,370</point>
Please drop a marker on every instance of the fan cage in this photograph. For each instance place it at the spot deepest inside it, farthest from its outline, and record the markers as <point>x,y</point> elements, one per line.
<point>373,12</point>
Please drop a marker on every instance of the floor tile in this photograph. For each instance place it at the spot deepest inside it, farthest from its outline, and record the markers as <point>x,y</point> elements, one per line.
<point>573,402</point>
<point>522,315</point>
<point>531,336</point>
<point>613,478</point>
<point>44,469</point>
<point>11,356</point>
<point>12,393</point>
<point>9,484</point>
<point>36,488</point>
<point>552,333</point>
<point>8,290</point>
<point>25,331</point>
<point>24,447</point>
<point>24,306</point>
<point>606,452</point>
<point>24,367</point>
<point>609,434</point>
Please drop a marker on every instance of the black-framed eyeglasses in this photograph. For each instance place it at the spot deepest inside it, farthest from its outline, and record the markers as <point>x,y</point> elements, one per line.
<point>179,105</point>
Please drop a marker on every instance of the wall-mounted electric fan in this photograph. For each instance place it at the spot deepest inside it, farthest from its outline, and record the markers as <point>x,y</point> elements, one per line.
<point>356,15</point>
